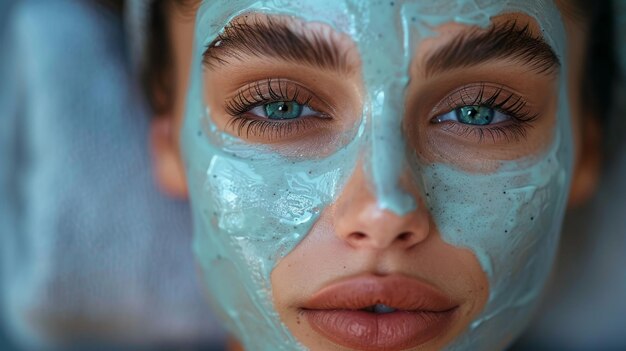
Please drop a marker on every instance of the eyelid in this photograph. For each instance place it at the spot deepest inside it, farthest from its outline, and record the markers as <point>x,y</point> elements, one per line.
<point>499,97</point>
<point>272,130</point>
<point>261,92</point>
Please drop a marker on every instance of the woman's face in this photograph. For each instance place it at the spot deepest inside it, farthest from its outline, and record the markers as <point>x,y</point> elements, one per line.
<point>375,175</point>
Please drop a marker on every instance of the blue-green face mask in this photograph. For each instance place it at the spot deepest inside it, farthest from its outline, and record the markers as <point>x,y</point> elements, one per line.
<point>252,204</point>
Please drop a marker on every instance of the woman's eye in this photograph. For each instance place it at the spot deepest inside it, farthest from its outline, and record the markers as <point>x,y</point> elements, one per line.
<point>276,109</point>
<point>476,115</point>
<point>282,110</point>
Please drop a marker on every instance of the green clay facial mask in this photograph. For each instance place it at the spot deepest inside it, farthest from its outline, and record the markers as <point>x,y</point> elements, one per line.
<point>252,206</point>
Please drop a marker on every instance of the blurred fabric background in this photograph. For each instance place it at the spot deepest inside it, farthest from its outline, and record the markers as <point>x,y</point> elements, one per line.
<point>91,251</point>
<point>93,257</point>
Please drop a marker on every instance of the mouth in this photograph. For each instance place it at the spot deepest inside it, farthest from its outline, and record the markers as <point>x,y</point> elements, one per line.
<point>388,313</point>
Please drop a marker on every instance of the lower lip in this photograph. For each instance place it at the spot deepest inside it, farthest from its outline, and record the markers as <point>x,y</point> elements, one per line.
<point>394,331</point>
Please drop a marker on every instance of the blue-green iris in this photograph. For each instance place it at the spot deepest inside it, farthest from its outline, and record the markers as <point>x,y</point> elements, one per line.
<point>475,115</point>
<point>283,110</point>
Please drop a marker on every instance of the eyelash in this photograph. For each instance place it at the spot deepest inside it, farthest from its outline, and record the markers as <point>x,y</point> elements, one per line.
<point>265,92</point>
<point>512,105</point>
<point>273,90</point>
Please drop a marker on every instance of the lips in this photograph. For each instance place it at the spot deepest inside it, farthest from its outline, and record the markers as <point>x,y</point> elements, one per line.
<point>386,313</point>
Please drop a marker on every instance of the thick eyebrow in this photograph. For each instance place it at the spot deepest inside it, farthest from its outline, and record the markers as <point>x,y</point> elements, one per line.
<point>274,39</point>
<point>504,41</point>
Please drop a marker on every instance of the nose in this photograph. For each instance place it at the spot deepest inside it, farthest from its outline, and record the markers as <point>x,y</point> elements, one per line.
<point>362,223</point>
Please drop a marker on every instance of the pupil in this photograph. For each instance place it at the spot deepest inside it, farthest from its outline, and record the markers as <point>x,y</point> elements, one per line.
<point>283,110</point>
<point>475,115</point>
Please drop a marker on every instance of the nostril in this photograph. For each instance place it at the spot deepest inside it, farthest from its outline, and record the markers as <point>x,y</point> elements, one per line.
<point>358,236</point>
<point>405,236</point>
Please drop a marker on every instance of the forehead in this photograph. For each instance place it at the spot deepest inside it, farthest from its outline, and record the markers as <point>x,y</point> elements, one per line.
<point>369,23</point>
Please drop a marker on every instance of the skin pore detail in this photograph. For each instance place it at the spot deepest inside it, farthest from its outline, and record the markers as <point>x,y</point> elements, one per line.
<point>501,201</point>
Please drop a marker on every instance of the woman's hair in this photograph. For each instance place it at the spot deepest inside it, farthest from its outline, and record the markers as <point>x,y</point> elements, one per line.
<point>157,72</point>
<point>116,5</point>
<point>597,86</point>
<point>601,68</point>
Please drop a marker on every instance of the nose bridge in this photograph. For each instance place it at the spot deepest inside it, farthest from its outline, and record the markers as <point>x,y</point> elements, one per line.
<point>386,74</point>
<point>386,160</point>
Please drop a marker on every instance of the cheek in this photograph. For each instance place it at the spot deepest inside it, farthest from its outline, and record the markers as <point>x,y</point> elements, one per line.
<point>510,220</point>
<point>250,209</point>
<point>499,215</point>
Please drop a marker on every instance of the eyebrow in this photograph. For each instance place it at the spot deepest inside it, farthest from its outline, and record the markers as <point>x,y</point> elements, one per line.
<point>271,38</point>
<point>502,41</point>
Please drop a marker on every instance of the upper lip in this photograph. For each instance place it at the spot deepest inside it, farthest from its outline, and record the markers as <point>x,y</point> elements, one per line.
<point>396,291</point>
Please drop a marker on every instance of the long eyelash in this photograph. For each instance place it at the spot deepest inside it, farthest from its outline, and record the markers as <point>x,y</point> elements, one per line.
<point>273,130</point>
<point>512,132</point>
<point>253,95</point>
<point>511,105</point>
